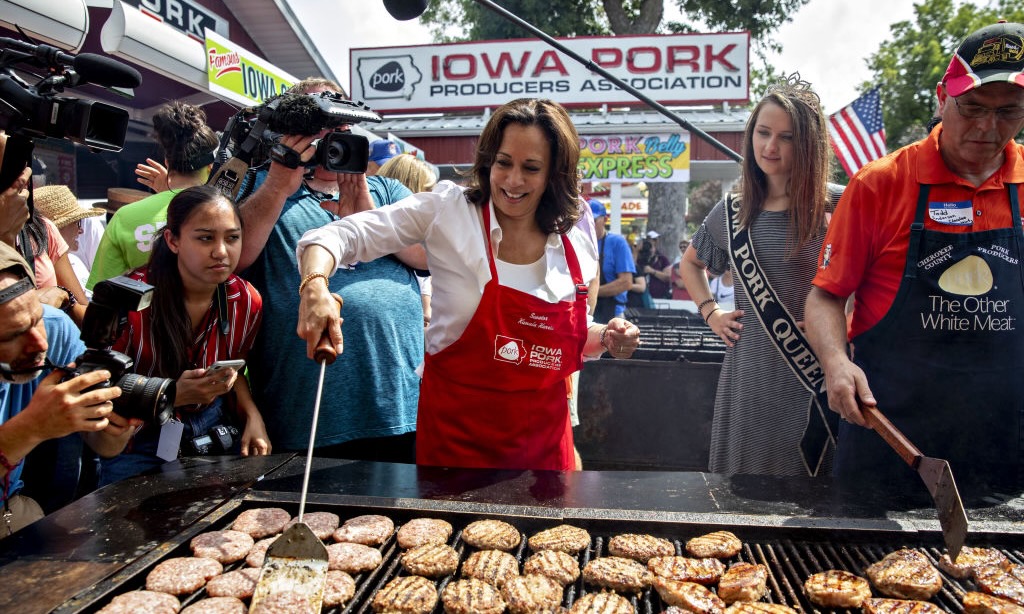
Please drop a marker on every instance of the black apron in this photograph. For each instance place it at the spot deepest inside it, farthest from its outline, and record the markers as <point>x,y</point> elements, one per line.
<point>945,362</point>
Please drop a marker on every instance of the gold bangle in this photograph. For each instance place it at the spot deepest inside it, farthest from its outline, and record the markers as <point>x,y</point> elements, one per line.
<point>311,277</point>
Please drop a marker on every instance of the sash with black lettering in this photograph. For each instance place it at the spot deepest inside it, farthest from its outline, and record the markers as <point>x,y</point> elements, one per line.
<point>787,338</point>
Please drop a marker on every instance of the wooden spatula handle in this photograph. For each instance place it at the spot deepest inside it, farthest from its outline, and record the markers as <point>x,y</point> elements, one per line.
<point>325,351</point>
<point>892,435</point>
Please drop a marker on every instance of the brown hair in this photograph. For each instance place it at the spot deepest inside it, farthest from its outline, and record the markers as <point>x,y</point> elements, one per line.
<point>309,84</point>
<point>187,141</point>
<point>559,205</point>
<point>807,188</point>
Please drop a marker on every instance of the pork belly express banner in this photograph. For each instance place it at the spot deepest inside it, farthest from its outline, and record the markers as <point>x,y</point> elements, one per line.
<point>672,69</point>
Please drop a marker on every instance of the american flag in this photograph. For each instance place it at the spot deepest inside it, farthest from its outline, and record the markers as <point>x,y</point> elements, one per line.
<point>857,131</point>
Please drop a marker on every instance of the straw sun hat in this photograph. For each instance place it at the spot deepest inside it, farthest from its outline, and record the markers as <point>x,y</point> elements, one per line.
<point>60,205</point>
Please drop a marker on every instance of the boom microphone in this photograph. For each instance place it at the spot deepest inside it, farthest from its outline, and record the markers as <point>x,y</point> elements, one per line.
<point>93,68</point>
<point>404,10</point>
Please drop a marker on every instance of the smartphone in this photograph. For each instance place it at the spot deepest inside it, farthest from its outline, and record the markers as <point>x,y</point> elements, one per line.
<point>225,364</point>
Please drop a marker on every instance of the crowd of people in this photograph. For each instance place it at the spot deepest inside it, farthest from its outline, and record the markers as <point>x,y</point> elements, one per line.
<point>469,310</point>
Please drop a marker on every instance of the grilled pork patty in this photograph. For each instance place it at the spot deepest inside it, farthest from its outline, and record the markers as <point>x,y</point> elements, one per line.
<point>406,595</point>
<point>261,522</point>
<point>758,607</point>
<point>339,588</point>
<point>743,582</point>
<point>558,566</point>
<point>240,583</point>
<point>422,531</point>
<point>222,546</point>
<point>491,566</point>
<point>369,530</point>
<point>182,575</point>
<point>701,571</point>
<point>640,547</point>
<point>220,605</point>
<point>563,538</point>
<point>491,535</point>
<point>431,560</point>
<point>472,596</point>
<point>526,594</point>
<point>905,574</point>
<point>983,603</point>
<point>689,596</point>
<point>617,573</point>
<point>602,603</point>
<point>837,589</point>
<point>1007,582</point>
<point>970,559</point>
<point>142,601</point>
<point>353,558</point>
<point>719,545</point>
<point>322,524</point>
<point>899,606</point>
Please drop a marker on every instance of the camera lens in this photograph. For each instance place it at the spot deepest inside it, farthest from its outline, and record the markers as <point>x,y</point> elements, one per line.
<point>148,398</point>
<point>336,154</point>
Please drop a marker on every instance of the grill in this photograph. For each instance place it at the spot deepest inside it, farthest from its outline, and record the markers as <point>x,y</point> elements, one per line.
<point>791,554</point>
<point>675,335</point>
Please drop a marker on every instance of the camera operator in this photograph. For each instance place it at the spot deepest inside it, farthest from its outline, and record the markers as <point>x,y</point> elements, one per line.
<point>36,408</point>
<point>372,398</point>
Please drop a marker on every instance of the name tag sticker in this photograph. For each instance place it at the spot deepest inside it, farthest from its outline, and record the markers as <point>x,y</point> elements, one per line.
<point>957,213</point>
<point>170,440</point>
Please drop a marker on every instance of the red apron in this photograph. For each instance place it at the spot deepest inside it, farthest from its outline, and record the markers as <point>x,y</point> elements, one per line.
<point>496,397</point>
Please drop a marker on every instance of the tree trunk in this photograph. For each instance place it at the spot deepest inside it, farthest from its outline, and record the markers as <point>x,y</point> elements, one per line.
<point>651,12</point>
<point>666,213</point>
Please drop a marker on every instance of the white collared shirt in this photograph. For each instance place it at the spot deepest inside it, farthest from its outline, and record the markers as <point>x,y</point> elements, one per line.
<point>451,230</point>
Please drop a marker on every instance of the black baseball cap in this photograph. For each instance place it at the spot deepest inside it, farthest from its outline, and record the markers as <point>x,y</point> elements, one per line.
<point>993,54</point>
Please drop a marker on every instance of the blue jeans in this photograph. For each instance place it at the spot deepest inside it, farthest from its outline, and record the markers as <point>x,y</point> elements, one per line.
<point>141,455</point>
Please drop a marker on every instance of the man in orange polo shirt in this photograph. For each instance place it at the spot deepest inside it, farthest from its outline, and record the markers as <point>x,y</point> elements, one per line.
<point>929,242</point>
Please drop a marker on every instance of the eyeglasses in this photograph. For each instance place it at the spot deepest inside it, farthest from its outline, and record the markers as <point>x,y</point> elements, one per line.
<point>976,111</point>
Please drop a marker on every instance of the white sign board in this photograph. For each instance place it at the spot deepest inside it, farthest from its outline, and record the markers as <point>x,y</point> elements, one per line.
<point>672,69</point>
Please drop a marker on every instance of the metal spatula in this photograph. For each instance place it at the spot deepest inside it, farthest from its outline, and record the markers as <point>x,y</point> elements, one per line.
<point>297,560</point>
<point>937,476</point>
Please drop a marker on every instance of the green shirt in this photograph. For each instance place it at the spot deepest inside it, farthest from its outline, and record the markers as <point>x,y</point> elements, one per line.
<point>129,237</point>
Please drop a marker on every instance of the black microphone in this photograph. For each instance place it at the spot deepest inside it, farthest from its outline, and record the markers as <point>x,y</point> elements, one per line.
<point>91,67</point>
<point>404,10</point>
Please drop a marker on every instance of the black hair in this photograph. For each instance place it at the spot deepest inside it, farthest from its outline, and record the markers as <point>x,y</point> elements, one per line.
<point>187,142</point>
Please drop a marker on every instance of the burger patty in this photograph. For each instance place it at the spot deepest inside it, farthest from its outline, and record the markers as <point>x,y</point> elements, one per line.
<point>240,583</point>
<point>491,566</point>
<point>322,524</point>
<point>640,547</point>
<point>261,522</point>
<point>353,558</point>
<point>431,560</point>
<point>491,535</point>
<point>217,605</point>
<point>284,602</point>
<point>558,566</point>
<point>142,601</point>
<point>182,575</point>
<point>743,582</point>
<point>222,546</point>
<point>407,595</point>
<point>719,545</point>
<point>758,607</point>
<point>983,603</point>
<point>970,559</point>
<point>258,552</point>
<point>1002,582</point>
<point>563,538</point>
<point>899,606</point>
<point>701,571</point>
<point>472,596</point>
<point>905,574</point>
<point>422,531</point>
<point>338,589</point>
<point>526,594</point>
<point>688,595</point>
<point>837,589</point>
<point>602,603</point>
<point>369,530</point>
<point>617,573</point>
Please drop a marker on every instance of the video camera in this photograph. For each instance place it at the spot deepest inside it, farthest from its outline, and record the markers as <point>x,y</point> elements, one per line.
<point>252,136</point>
<point>148,398</point>
<point>37,111</point>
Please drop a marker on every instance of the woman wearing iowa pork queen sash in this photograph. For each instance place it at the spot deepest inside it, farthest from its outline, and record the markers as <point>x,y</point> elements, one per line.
<point>769,234</point>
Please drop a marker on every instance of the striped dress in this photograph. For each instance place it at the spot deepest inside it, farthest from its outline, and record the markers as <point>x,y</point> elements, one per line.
<point>761,408</point>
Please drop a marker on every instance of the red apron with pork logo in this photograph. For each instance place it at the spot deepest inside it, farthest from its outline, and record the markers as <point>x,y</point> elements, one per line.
<point>497,396</point>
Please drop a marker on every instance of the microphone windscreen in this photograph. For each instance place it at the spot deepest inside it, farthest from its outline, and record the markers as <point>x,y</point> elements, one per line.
<point>404,10</point>
<point>105,71</point>
<point>297,114</point>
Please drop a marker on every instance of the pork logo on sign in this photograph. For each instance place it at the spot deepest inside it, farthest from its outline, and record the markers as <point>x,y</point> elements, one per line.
<point>507,349</point>
<point>388,77</point>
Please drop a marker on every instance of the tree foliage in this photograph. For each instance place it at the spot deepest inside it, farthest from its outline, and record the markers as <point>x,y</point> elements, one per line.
<point>761,17</point>
<point>465,20</point>
<point>910,64</point>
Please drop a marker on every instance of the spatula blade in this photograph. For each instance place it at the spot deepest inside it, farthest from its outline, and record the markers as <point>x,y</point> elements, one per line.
<point>938,478</point>
<point>296,562</point>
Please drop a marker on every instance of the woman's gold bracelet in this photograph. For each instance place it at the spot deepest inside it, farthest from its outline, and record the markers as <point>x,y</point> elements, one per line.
<point>311,277</point>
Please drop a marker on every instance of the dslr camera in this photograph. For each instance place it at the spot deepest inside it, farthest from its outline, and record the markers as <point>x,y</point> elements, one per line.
<point>148,398</point>
<point>219,439</point>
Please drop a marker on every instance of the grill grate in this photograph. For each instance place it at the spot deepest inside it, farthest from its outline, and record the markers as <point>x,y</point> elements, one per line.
<point>789,561</point>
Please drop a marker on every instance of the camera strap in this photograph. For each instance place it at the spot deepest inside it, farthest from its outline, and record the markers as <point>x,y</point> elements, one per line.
<point>222,309</point>
<point>228,177</point>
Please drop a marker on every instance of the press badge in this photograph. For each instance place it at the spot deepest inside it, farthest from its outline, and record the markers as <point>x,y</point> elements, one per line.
<point>956,213</point>
<point>170,440</point>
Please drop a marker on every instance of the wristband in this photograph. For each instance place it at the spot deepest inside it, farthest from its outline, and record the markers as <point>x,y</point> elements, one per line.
<point>72,301</point>
<point>604,333</point>
<point>700,308</point>
<point>311,277</point>
<point>711,313</point>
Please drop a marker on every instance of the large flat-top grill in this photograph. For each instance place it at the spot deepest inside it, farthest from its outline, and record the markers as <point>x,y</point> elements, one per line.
<point>790,553</point>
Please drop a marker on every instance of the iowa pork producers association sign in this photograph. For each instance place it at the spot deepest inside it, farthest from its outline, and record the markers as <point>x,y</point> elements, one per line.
<point>672,69</point>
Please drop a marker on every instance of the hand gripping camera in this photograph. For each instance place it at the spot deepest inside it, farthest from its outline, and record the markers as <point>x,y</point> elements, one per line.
<point>252,137</point>
<point>148,398</point>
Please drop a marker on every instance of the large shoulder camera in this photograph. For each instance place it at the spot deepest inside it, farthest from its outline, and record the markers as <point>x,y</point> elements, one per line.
<point>252,136</point>
<point>148,398</point>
